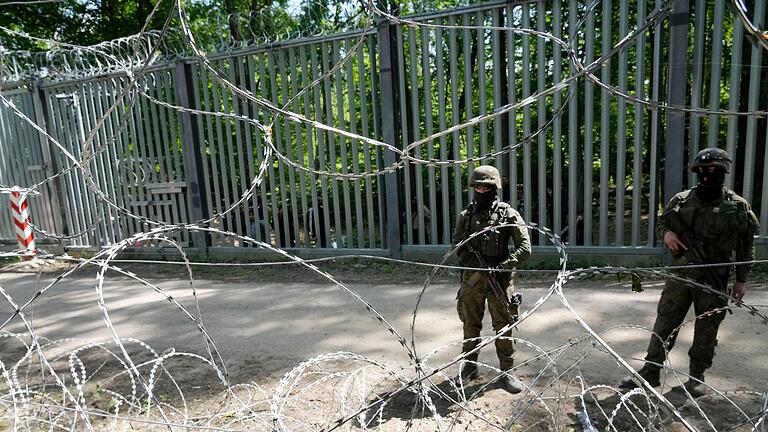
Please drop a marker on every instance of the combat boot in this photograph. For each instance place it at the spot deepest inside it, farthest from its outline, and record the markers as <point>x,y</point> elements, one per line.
<point>467,372</point>
<point>511,383</point>
<point>648,372</point>
<point>695,385</point>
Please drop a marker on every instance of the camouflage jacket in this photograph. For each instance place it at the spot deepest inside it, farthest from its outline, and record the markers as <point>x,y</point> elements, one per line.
<point>494,246</point>
<point>723,230</point>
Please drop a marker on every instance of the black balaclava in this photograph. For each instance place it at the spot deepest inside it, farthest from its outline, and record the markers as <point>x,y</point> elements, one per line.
<point>710,184</point>
<point>484,200</point>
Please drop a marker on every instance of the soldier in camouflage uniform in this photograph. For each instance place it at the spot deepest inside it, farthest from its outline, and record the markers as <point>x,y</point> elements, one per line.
<point>708,224</point>
<point>489,250</point>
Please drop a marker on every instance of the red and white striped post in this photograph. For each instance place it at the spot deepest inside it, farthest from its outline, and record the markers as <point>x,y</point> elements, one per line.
<point>24,232</point>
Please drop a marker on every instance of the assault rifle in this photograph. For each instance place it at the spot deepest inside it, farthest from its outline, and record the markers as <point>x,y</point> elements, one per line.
<point>498,290</point>
<point>696,254</point>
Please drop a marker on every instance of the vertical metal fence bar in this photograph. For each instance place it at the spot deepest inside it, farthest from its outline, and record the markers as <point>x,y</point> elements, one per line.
<point>218,95</point>
<point>271,228</point>
<point>126,155</point>
<point>332,144</point>
<point>310,223</point>
<point>299,64</point>
<point>405,134</point>
<point>677,85</point>
<point>527,157</point>
<point>241,144</point>
<point>343,151</point>
<point>541,120</point>
<point>145,144</point>
<point>697,82</point>
<point>228,102</point>
<point>469,139</point>
<point>557,127</point>
<point>481,85</point>
<point>621,127</point>
<point>426,74</point>
<point>106,160</point>
<point>308,69</point>
<point>417,151</point>
<point>172,120</point>
<point>215,139</point>
<point>49,207</point>
<point>655,129</point>
<point>388,129</point>
<point>290,213</point>
<point>388,182</point>
<point>370,221</point>
<point>207,190</point>
<point>458,190</point>
<point>512,99</point>
<point>734,100</point>
<point>76,134</point>
<point>760,21</point>
<point>209,142</point>
<point>73,198</point>
<point>118,130</point>
<point>98,169</point>
<point>269,196</point>
<point>319,96</point>
<point>417,212</point>
<point>755,75</point>
<point>193,148</point>
<point>42,117</point>
<point>444,209</point>
<point>573,134</point>
<point>637,156</point>
<point>110,141</point>
<point>589,130</point>
<point>352,97</point>
<point>605,123</point>
<point>279,202</point>
<point>157,143</point>
<point>168,120</point>
<point>715,76</point>
<point>22,143</point>
<point>496,52</point>
<point>296,84</point>
<point>93,210</point>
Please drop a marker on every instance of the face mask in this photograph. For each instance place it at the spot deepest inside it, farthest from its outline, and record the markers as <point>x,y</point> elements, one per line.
<point>710,184</point>
<point>484,200</point>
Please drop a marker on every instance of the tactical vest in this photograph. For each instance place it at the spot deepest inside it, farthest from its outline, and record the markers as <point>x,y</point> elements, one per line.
<point>715,226</point>
<point>493,245</point>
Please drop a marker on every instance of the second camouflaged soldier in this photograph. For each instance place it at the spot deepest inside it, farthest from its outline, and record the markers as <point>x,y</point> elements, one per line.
<point>708,224</point>
<point>490,250</point>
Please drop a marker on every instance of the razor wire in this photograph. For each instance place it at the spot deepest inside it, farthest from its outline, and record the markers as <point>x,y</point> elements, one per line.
<point>342,390</point>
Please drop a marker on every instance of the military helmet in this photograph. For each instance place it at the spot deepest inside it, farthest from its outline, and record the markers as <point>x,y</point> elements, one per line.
<point>712,157</point>
<point>486,175</point>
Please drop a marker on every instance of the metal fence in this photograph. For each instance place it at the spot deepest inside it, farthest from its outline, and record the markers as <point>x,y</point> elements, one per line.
<point>589,164</point>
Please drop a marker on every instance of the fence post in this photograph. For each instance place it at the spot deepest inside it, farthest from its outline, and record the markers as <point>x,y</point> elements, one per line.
<point>388,86</point>
<point>197,201</point>
<point>50,166</point>
<point>674,169</point>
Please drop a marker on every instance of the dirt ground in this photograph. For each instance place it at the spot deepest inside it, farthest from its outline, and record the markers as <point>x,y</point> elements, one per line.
<point>302,353</point>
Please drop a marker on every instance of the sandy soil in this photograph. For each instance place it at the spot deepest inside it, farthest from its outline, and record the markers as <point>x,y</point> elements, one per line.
<point>267,325</point>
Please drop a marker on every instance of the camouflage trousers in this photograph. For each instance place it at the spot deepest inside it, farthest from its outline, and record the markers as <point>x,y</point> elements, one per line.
<point>676,299</point>
<point>475,291</point>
